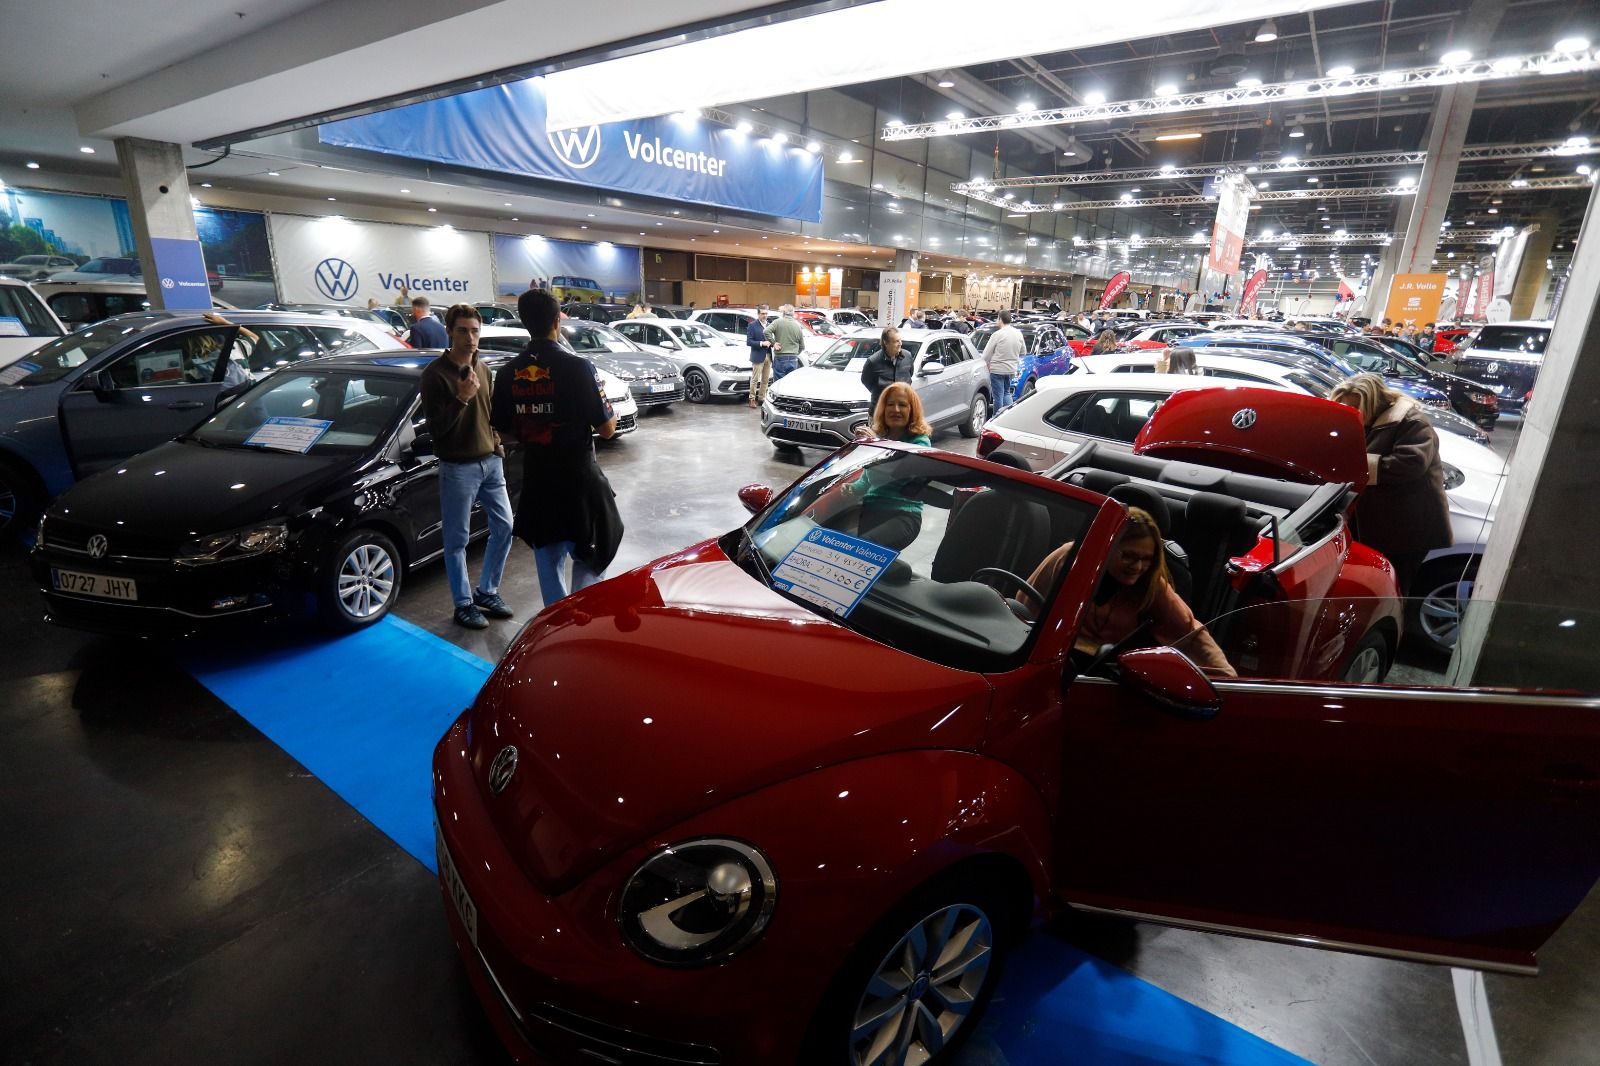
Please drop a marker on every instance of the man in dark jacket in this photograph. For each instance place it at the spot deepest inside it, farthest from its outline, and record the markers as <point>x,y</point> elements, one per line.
<point>886,366</point>
<point>425,329</point>
<point>551,401</point>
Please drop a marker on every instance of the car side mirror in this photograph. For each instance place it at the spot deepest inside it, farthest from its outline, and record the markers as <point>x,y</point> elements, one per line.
<point>931,368</point>
<point>104,387</point>
<point>422,444</point>
<point>755,498</point>
<point>1166,676</point>
<point>672,344</point>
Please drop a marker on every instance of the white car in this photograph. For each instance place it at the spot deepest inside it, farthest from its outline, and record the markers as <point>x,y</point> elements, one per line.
<point>1111,408</point>
<point>515,338</point>
<point>713,363</point>
<point>26,322</point>
<point>843,318</point>
<point>82,303</point>
<point>732,322</point>
<point>36,267</point>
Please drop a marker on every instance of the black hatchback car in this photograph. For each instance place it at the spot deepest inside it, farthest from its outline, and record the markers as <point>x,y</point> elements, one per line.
<point>1471,400</point>
<point>311,494</point>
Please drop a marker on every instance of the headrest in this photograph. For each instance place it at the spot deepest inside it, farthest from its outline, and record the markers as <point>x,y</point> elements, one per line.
<point>1147,499</point>
<point>390,388</point>
<point>1101,481</point>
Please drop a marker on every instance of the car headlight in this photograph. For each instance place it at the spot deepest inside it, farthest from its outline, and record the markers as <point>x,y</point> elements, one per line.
<point>237,544</point>
<point>1488,399</point>
<point>697,902</point>
<point>861,405</point>
<point>727,368</point>
<point>1453,477</point>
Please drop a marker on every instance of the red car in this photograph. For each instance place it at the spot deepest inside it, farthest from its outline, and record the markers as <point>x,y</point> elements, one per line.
<point>788,795</point>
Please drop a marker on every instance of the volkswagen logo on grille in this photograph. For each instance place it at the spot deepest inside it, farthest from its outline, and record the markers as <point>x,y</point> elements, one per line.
<point>97,546</point>
<point>502,769</point>
<point>806,407</point>
<point>1244,418</point>
<point>337,279</point>
<point>577,148</point>
<point>1493,368</point>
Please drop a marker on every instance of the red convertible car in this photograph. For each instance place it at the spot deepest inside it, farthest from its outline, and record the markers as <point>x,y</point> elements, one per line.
<point>789,795</point>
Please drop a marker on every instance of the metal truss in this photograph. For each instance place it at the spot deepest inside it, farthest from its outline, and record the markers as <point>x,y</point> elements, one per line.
<point>1355,160</point>
<point>1409,79</point>
<point>1270,196</point>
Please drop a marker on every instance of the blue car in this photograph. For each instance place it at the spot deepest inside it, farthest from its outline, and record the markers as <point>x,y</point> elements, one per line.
<point>1045,351</point>
<point>1329,349</point>
<point>89,400</point>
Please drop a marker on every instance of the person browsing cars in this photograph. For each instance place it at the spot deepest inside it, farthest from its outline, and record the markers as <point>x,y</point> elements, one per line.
<point>425,329</point>
<point>1003,354</point>
<point>886,366</point>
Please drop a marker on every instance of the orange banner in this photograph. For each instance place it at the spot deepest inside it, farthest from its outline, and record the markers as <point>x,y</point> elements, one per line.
<point>1414,299</point>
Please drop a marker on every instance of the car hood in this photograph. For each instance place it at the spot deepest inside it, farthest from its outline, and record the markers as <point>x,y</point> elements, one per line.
<point>182,489</point>
<point>678,687</point>
<point>1260,431</point>
<point>633,364</point>
<point>1445,380</point>
<point>815,383</point>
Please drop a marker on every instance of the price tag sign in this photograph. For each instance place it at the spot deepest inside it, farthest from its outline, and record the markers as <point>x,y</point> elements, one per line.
<point>16,372</point>
<point>12,327</point>
<point>285,434</point>
<point>832,570</point>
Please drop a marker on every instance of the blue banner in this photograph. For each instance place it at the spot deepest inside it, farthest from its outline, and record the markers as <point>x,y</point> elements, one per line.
<point>502,129</point>
<point>181,266</point>
<point>573,270</point>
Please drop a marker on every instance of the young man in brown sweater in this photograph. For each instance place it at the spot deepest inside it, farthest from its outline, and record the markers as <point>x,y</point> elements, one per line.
<point>455,397</point>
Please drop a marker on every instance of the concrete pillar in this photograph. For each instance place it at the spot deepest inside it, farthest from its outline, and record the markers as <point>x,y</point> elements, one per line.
<point>1533,276</point>
<point>1079,283</point>
<point>904,260</point>
<point>1542,549</point>
<point>159,209</point>
<point>1446,134</point>
<point>1378,291</point>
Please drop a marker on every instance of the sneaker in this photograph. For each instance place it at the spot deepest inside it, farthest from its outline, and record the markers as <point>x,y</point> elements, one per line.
<point>471,617</point>
<point>491,604</point>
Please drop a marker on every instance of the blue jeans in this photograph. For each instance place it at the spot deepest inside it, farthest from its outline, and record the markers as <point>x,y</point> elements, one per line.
<point>784,364</point>
<point>460,484</point>
<point>1001,387</point>
<point>551,562</point>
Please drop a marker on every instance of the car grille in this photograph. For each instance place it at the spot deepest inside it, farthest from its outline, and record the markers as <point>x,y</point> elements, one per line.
<point>794,405</point>
<point>72,538</point>
<point>651,399</point>
<point>626,423</point>
<point>779,432</point>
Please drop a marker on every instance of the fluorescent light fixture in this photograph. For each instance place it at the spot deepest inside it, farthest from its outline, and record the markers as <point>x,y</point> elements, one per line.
<point>1455,56</point>
<point>1572,44</point>
<point>1094,98</point>
<point>1343,70</point>
<point>1179,137</point>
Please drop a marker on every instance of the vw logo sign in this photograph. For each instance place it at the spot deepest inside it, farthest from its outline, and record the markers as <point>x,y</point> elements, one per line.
<point>337,279</point>
<point>502,769</point>
<point>1493,368</point>
<point>578,149</point>
<point>806,407</point>
<point>1244,418</point>
<point>97,546</point>
<point>168,283</point>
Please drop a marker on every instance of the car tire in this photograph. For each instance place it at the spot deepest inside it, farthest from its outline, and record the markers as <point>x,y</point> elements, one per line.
<point>20,500</point>
<point>887,956</point>
<point>360,581</point>
<point>1029,387</point>
<point>1433,613</point>
<point>696,386</point>
<point>976,416</point>
<point>1369,663</point>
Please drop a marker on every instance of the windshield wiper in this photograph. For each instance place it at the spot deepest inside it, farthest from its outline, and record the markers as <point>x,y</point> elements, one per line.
<point>748,550</point>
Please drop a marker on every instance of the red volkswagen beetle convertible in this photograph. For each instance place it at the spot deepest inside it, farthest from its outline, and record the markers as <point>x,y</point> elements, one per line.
<point>789,795</point>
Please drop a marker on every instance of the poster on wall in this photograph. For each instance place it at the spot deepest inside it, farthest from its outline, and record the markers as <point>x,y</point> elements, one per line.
<point>572,270</point>
<point>340,261</point>
<point>238,255</point>
<point>891,298</point>
<point>1414,299</point>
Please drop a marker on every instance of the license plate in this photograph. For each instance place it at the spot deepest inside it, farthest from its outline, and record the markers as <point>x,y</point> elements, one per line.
<point>98,585</point>
<point>458,892</point>
<point>805,425</point>
<point>663,386</point>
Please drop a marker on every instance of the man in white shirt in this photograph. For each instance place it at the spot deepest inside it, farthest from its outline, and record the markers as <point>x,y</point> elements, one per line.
<point>1003,353</point>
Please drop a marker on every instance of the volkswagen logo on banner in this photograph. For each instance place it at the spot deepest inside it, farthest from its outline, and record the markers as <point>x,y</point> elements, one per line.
<point>168,283</point>
<point>337,279</point>
<point>502,769</point>
<point>577,148</point>
<point>1244,418</point>
<point>98,545</point>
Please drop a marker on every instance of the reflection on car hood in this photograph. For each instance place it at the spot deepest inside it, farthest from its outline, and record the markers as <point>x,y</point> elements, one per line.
<point>815,383</point>
<point>179,490</point>
<point>680,686</point>
<point>633,363</point>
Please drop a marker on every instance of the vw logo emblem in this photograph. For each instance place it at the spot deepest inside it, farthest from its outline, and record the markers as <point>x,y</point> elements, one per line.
<point>502,769</point>
<point>337,279</point>
<point>1493,368</point>
<point>1244,418</point>
<point>168,283</point>
<point>806,407</point>
<point>578,149</point>
<point>97,546</point>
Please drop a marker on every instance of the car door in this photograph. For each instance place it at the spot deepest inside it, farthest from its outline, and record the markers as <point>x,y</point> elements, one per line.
<point>154,391</point>
<point>936,390</point>
<point>415,489</point>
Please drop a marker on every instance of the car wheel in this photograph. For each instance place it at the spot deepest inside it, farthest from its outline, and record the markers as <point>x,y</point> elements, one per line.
<point>362,580</point>
<point>976,417</point>
<point>1030,386</point>
<point>696,386</point>
<point>1370,663</point>
<point>1434,613</point>
<point>20,500</point>
<point>916,988</point>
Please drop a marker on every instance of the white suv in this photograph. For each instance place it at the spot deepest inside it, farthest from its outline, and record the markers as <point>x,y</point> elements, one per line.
<point>26,322</point>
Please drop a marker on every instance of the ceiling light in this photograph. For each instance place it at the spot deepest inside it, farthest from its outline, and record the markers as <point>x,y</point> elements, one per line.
<point>946,83</point>
<point>846,157</point>
<point>1026,105</point>
<point>1584,168</point>
<point>1343,70</point>
<point>1313,180</point>
<point>1407,181</point>
<point>1577,140</point>
<point>780,138</point>
<point>431,210</point>
<point>32,165</point>
<point>405,190</point>
<point>86,150</point>
<point>1248,83</point>
<point>1455,56</point>
<point>1179,137</point>
<point>688,116</point>
<point>1263,184</point>
<point>1297,131</point>
<point>1494,210</point>
<point>1519,183</point>
<point>1572,44</point>
<point>1095,98</point>
<point>1166,88</point>
<point>1506,65</point>
<point>744,126</point>
<point>1391,77</point>
<point>1289,160</point>
<point>1267,32</point>
<point>205,185</point>
<point>333,198</point>
<point>955,116</point>
<point>1167,168</point>
<point>813,147</point>
<point>1127,196</point>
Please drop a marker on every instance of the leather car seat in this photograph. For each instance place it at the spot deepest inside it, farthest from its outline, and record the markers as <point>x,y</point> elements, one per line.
<point>993,528</point>
<point>1151,501</point>
<point>1215,529</point>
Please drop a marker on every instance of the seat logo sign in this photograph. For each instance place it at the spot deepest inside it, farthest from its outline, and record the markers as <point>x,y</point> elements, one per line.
<point>336,279</point>
<point>578,149</point>
<point>1244,418</point>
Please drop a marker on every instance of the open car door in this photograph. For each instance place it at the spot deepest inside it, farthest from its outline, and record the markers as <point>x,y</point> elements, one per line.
<point>1420,821</point>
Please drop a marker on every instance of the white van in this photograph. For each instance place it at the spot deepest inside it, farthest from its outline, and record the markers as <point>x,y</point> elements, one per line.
<point>26,322</point>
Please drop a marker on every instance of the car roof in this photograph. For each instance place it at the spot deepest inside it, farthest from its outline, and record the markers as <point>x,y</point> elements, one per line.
<point>402,363</point>
<point>1134,382</point>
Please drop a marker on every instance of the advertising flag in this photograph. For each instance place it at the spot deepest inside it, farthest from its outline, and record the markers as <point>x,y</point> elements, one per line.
<point>1227,235</point>
<point>1414,299</point>
<point>1114,289</point>
<point>1251,288</point>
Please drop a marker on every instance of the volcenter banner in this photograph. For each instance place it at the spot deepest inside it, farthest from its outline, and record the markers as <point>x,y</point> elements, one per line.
<point>502,129</point>
<point>335,260</point>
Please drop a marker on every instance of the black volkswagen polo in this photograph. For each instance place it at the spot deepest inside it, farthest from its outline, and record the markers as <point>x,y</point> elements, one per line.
<point>310,495</point>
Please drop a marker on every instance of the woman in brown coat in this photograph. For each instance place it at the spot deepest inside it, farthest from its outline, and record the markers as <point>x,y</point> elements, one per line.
<point>1403,512</point>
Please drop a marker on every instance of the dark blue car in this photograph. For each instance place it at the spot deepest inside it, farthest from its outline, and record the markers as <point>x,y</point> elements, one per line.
<point>93,398</point>
<point>1327,348</point>
<point>1045,351</point>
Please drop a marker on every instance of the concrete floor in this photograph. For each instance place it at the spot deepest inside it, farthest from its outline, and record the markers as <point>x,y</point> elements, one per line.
<point>178,890</point>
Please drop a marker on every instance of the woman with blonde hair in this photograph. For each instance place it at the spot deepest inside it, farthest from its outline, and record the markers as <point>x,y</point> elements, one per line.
<point>1403,511</point>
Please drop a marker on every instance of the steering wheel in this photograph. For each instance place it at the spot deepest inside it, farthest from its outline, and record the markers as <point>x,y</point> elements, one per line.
<point>1021,584</point>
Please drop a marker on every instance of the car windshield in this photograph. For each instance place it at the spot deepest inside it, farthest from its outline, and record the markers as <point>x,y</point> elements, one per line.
<point>981,337</point>
<point>822,326</point>
<point>693,336</point>
<point>594,338</point>
<point>63,355</point>
<point>930,579</point>
<point>854,350</point>
<point>1523,340</point>
<point>22,315</point>
<point>326,413</point>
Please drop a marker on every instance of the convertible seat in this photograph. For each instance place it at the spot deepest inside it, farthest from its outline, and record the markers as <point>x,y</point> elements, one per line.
<point>1151,501</point>
<point>993,529</point>
<point>1215,529</point>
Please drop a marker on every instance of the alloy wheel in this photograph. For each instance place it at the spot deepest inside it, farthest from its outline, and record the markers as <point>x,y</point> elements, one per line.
<point>1366,668</point>
<point>366,581</point>
<point>980,415</point>
<point>695,386</point>
<point>924,990</point>
<point>1439,614</point>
